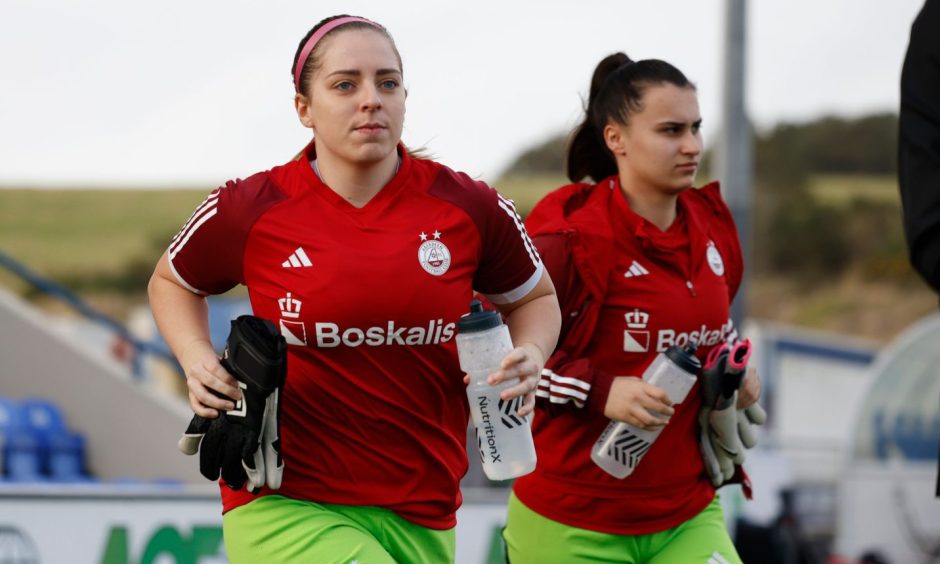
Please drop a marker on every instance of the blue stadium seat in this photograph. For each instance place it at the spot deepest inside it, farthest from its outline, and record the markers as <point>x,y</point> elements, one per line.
<point>24,463</point>
<point>45,419</point>
<point>42,415</point>
<point>36,444</point>
<point>10,418</point>
<point>67,457</point>
<point>9,413</point>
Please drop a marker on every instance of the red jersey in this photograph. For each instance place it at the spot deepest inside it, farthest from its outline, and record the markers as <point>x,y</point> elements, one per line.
<point>374,410</point>
<point>627,291</point>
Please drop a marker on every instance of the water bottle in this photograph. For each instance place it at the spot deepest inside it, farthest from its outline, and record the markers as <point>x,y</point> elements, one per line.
<point>622,446</point>
<point>504,438</point>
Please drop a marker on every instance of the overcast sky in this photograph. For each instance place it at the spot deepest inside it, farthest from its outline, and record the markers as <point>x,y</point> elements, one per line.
<point>194,92</point>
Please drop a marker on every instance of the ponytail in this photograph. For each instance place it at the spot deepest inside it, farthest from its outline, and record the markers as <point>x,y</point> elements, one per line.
<point>588,155</point>
<point>616,92</point>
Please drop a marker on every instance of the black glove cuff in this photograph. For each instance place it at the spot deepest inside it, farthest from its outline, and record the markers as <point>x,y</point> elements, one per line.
<point>255,354</point>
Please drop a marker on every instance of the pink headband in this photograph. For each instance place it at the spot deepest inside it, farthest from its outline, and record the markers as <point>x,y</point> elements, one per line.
<point>318,35</point>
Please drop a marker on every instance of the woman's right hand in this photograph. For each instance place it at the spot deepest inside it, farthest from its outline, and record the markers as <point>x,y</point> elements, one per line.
<point>204,372</point>
<point>631,400</point>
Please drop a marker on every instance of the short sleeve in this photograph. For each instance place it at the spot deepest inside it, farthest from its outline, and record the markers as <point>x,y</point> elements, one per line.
<point>207,254</point>
<point>510,266</point>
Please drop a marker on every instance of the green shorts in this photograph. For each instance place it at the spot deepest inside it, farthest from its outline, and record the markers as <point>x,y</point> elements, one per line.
<point>278,529</point>
<point>532,538</point>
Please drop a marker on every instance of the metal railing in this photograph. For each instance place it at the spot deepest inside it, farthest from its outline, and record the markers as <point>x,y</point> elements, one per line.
<point>63,294</point>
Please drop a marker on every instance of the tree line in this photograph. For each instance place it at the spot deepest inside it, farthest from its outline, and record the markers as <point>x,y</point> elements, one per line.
<point>827,145</point>
<point>795,232</point>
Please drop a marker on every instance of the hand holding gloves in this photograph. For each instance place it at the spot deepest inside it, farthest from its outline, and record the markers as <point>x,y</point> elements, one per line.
<point>243,445</point>
<point>725,431</point>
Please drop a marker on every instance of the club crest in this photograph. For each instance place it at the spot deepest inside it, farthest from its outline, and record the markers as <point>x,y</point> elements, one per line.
<point>714,259</point>
<point>433,254</point>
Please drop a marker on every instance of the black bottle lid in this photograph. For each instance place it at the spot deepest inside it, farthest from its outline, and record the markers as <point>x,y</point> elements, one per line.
<point>685,358</point>
<point>478,319</point>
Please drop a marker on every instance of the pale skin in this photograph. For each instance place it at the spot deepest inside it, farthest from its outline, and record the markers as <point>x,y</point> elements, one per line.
<point>355,105</point>
<point>657,155</point>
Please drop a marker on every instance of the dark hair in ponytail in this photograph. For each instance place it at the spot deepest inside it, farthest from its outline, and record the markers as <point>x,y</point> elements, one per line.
<point>617,88</point>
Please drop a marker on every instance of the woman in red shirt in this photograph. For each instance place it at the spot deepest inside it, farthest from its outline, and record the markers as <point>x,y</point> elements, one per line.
<point>640,261</point>
<point>364,257</point>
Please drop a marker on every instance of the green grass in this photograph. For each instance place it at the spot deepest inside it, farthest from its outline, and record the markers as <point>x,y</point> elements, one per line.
<point>527,190</point>
<point>834,189</point>
<point>840,190</point>
<point>80,233</point>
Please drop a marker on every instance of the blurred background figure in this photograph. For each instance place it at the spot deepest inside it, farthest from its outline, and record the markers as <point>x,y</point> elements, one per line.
<point>784,541</point>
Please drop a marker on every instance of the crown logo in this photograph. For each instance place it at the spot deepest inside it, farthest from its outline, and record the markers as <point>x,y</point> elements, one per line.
<point>637,319</point>
<point>290,307</point>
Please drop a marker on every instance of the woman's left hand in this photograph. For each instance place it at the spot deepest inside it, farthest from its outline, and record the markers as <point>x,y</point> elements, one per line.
<point>525,363</point>
<point>749,392</point>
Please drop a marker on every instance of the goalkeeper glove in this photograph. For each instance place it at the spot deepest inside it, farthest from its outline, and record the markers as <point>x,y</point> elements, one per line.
<point>243,445</point>
<point>725,431</point>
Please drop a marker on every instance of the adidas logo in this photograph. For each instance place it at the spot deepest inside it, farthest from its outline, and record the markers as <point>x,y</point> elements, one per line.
<point>636,269</point>
<point>297,259</point>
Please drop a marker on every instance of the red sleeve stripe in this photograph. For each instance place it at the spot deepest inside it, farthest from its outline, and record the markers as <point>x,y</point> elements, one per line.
<point>175,248</point>
<point>562,389</point>
<point>510,209</point>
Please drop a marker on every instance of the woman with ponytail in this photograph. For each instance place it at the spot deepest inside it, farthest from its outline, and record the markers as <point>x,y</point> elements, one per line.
<point>641,260</point>
<point>364,257</point>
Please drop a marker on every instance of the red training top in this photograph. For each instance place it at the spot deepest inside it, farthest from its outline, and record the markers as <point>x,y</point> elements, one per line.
<point>374,411</point>
<point>627,291</point>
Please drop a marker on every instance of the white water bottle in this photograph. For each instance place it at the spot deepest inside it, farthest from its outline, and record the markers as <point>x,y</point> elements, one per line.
<point>622,446</point>
<point>504,438</point>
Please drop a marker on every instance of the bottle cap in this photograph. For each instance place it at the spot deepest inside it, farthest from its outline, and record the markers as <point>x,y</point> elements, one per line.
<point>684,358</point>
<point>478,319</point>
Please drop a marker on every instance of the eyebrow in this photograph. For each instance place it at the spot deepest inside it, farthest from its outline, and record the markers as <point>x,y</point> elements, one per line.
<point>354,72</point>
<point>680,123</point>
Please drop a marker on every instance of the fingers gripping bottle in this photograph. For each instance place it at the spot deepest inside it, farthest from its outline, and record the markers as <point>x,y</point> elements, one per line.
<point>504,438</point>
<point>622,446</point>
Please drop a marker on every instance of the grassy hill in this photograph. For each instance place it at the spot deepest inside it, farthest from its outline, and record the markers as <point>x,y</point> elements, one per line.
<point>77,233</point>
<point>103,244</point>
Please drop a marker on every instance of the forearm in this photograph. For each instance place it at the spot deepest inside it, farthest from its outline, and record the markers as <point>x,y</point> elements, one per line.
<point>533,322</point>
<point>536,322</point>
<point>181,316</point>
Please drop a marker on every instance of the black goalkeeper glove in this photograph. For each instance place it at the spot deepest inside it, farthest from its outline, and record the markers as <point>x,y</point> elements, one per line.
<point>243,445</point>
